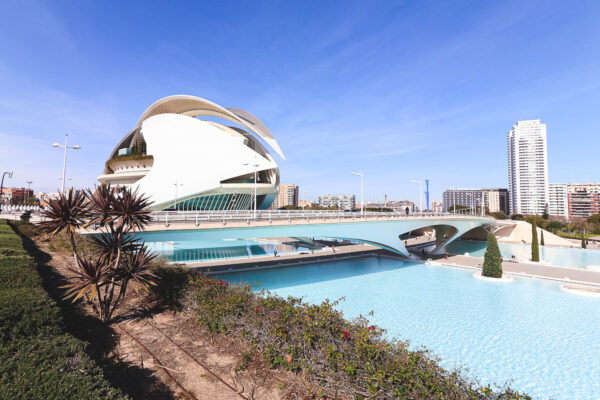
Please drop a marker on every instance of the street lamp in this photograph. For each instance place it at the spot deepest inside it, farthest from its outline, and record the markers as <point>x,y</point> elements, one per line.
<point>255,165</point>
<point>362,176</point>
<point>65,146</point>
<point>28,188</point>
<point>10,174</point>
<point>420,182</point>
<point>304,198</point>
<point>176,184</point>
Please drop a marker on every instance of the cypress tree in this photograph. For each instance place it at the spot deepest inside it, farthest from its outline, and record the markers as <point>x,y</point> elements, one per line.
<point>492,260</point>
<point>535,247</point>
<point>583,246</point>
<point>542,239</point>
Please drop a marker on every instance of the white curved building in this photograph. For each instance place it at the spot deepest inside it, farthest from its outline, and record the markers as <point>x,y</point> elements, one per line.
<point>185,163</point>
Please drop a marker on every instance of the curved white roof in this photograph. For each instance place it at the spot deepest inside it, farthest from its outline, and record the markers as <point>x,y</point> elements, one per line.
<point>195,106</point>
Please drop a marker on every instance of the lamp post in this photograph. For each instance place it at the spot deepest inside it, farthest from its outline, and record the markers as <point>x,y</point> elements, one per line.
<point>420,182</point>
<point>10,174</point>
<point>304,198</point>
<point>28,188</point>
<point>362,187</point>
<point>255,165</point>
<point>65,146</point>
<point>176,184</point>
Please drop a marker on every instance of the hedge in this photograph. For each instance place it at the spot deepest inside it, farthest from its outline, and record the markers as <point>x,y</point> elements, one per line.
<point>39,359</point>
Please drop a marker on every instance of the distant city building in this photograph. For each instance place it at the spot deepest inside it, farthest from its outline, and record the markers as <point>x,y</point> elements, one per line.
<point>16,195</point>
<point>288,195</point>
<point>305,203</point>
<point>493,200</point>
<point>558,204</point>
<point>400,205</point>
<point>437,206</point>
<point>583,199</point>
<point>528,167</point>
<point>343,201</point>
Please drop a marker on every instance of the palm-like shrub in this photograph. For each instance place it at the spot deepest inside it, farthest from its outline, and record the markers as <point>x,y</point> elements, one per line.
<point>119,258</point>
<point>67,213</point>
<point>492,260</point>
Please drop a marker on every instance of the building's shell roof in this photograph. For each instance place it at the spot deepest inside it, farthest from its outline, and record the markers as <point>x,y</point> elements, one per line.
<point>195,106</point>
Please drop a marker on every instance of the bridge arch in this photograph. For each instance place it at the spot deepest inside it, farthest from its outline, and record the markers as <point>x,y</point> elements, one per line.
<point>382,233</point>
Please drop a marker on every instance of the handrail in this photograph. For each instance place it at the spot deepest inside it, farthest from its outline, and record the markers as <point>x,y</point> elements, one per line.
<point>199,217</point>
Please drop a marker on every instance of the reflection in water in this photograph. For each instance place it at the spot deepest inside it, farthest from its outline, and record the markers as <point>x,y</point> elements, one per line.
<point>173,253</point>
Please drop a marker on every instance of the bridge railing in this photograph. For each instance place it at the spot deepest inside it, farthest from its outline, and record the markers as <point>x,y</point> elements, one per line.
<point>248,216</point>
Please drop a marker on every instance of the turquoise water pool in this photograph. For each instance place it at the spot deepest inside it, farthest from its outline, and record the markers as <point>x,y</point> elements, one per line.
<point>180,252</point>
<point>557,256</point>
<point>529,333</point>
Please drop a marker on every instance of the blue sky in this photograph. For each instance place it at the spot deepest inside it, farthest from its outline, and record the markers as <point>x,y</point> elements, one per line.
<point>401,88</point>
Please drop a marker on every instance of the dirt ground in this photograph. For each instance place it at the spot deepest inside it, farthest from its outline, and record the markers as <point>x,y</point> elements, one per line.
<point>159,354</point>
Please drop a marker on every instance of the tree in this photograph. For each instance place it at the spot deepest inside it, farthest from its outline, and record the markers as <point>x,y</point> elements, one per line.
<point>492,260</point>
<point>583,245</point>
<point>535,248</point>
<point>594,219</point>
<point>119,260</point>
<point>545,214</point>
<point>498,215</point>
<point>542,239</point>
<point>554,226</point>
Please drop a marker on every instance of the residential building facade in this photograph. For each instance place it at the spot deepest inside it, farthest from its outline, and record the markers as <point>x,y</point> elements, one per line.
<point>558,204</point>
<point>493,200</point>
<point>528,167</point>
<point>288,195</point>
<point>342,201</point>
<point>583,199</point>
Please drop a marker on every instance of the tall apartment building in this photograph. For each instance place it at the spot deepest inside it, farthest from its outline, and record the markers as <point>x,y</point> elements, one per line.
<point>558,205</point>
<point>287,195</point>
<point>493,200</point>
<point>583,199</point>
<point>343,201</point>
<point>528,167</point>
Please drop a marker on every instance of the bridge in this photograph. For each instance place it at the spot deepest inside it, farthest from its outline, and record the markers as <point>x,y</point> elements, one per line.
<point>382,229</point>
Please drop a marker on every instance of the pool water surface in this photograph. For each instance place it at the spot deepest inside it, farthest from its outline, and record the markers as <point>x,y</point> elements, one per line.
<point>529,333</point>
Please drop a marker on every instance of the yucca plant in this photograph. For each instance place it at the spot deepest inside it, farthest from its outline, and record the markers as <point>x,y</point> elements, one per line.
<point>116,213</point>
<point>66,213</point>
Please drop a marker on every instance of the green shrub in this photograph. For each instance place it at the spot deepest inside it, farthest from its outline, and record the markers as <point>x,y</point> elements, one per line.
<point>492,260</point>
<point>17,272</point>
<point>171,284</point>
<point>342,358</point>
<point>51,368</point>
<point>535,247</point>
<point>554,226</point>
<point>10,240</point>
<point>28,312</point>
<point>38,359</point>
<point>499,215</point>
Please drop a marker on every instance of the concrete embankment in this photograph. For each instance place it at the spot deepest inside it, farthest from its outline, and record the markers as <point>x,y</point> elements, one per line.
<point>533,270</point>
<point>328,254</point>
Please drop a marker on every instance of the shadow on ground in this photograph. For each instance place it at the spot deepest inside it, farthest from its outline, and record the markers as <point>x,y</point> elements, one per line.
<point>139,383</point>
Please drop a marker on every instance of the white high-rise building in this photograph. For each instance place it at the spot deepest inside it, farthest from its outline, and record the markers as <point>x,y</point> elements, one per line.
<point>558,205</point>
<point>528,167</point>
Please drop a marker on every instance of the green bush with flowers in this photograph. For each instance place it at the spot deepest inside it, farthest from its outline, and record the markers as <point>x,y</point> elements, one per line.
<point>344,359</point>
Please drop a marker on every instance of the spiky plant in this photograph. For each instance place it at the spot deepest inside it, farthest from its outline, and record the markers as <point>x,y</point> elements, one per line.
<point>135,269</point>
<point>66,213</point>
<point>89,277</point>
<point>131,209</point>
<point>120,258</point>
